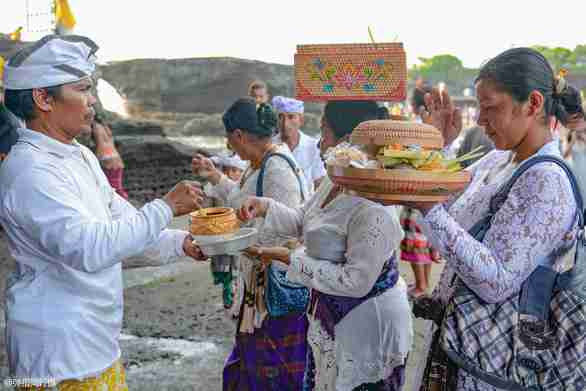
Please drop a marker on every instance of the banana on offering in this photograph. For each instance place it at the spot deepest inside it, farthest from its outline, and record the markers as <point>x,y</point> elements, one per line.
<point>396,156</point>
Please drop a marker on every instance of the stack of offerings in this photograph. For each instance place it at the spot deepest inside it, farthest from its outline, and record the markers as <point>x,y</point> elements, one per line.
<point>397,161</point>
<point>388,161</point>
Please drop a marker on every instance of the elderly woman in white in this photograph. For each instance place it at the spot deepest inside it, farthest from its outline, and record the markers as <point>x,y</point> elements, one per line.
<point>360,323</point>
<point>272,309</point>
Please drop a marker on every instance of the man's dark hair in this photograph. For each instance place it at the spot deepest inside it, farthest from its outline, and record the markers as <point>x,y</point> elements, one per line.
<point>21,103</point>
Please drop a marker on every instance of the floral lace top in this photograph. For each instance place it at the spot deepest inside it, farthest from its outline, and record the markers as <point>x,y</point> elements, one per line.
<point>536,225</point>
<point>537,220</point>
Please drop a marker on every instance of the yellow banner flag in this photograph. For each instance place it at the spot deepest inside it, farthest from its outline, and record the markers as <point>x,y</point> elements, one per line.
<point>16,34</point>
<point>63,15</point>
<point>1,68</point>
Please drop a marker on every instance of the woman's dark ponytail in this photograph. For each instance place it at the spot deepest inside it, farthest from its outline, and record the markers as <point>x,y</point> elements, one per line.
<point>568,100</point>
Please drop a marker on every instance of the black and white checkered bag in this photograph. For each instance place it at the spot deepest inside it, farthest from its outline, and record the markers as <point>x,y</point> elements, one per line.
<point>535,340</point>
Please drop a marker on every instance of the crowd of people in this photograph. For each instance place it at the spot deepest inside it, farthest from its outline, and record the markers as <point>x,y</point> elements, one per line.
<point>319,301</point>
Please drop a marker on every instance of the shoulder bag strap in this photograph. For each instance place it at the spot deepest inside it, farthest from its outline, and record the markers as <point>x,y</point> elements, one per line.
<point>260,180</point>
<point>480,228</point>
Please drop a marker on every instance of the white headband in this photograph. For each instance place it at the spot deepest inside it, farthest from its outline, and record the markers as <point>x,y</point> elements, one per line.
<point>49,62</point>
<point>287,105</point>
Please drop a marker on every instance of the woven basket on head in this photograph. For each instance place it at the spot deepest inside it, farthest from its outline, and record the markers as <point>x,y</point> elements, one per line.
<point>390,186</point>
<point>386,132</point>
<point>351,72</point>
<point>213,221</point>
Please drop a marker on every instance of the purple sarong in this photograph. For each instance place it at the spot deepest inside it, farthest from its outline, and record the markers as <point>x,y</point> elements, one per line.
<point>330,310</point>
<point>273,358</point>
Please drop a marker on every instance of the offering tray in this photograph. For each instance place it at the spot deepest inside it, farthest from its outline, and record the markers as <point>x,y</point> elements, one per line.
<point>226,244</point>
<point>391,186</point>
<point>394,199</point>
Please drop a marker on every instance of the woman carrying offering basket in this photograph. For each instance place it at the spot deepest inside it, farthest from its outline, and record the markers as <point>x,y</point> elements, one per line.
<point>360,323</point>
<point>508,324</point>
<point>270,349</point>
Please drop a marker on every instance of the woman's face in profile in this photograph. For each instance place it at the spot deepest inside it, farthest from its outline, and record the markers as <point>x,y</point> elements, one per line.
<point>500,116</point>
<point>328,138</point>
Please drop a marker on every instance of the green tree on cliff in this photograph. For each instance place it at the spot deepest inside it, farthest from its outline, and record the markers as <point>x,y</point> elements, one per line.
<point>580,55</point>
<point>558,57</point>
<point>443,67</point>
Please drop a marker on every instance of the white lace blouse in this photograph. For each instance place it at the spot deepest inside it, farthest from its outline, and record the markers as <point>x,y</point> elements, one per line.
<point>358,237</point>
<point>280,184</point>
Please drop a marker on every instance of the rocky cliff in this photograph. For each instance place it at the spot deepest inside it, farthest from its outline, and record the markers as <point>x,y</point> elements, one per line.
<point>193,85</point>
<point>187,96</point>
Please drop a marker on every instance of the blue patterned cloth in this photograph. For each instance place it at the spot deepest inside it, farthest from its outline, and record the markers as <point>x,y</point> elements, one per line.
<point>282,296</point>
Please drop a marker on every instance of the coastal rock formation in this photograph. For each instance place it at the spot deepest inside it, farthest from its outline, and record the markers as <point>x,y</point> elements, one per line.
<point>194,85</point>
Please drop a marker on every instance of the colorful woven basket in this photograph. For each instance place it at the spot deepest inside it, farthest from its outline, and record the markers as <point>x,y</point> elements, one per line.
<point>351,72</point>
<point>389,186</point>
<point>385,132</point>
<point>214,221</point>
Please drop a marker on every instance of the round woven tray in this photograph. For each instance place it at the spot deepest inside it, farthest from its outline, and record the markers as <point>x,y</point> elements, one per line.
<point>395,199</point>
<point>385,132</point>
<point>400,184</point>
<point>213,221</point>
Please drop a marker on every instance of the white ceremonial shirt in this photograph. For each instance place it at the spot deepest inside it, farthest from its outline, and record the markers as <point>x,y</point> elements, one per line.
<point>308,157</point>
<point>68,231</point>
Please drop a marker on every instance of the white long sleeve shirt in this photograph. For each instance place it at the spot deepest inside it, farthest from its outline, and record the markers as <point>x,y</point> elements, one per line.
<point>307,156</point>
<point>68,231</point>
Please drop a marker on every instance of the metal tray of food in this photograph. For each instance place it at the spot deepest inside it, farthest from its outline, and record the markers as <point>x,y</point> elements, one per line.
<point>227,244</point>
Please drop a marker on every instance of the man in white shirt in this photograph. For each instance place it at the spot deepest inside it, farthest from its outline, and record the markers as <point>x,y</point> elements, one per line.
<point>68,230</point>
<point>303,147</point>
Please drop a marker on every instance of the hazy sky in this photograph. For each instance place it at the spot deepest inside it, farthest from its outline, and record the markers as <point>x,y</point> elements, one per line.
<point>473,30</point>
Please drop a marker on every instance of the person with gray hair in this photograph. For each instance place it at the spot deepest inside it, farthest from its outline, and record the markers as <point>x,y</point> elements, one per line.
<point>68,230</point>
